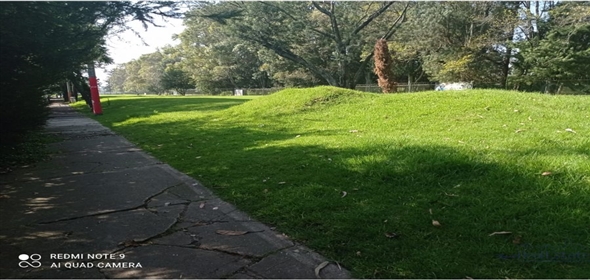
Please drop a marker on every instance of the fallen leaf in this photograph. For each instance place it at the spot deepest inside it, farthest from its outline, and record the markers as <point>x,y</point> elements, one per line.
<point>500,233</point>
<point>167,204</point>
<point>358,253</point>
<point>391,235</point>
<point>430,210</point>
<point>202,205</point>
<point>215,208</point>
<point>344,194</point>
<point>436,223</point>
<point>230,232</point>
<point>517,240</point>
<point>320,267</point>
<point>546,173</point>
<point>570,130</point>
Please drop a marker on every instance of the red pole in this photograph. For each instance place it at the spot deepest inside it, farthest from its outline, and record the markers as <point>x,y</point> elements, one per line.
<point>96,108</point>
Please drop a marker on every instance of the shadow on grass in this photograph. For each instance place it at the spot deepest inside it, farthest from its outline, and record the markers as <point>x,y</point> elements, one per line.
<point>345,201</point>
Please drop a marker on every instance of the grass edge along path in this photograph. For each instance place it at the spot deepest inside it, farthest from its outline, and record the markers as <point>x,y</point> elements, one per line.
<point>392,186</point>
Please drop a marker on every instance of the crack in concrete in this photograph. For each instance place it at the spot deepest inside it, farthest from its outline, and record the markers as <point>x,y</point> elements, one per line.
<point>143,205</point>
<point>168,231</point>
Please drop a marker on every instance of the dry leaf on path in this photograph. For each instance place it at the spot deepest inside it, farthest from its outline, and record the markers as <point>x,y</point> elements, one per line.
<point>230,232</point>
<point>436,223</point>
<point>500,233</point>
<point>320,267</point>
<point>202,205</point>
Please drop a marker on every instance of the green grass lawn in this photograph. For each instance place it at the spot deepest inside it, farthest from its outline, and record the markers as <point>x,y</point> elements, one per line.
<point>360,177</point>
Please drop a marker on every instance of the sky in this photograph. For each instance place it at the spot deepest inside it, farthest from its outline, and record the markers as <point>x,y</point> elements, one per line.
<point>127,46</point>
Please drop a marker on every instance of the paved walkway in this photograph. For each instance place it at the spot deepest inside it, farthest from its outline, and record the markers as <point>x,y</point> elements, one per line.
<point>100,194</point>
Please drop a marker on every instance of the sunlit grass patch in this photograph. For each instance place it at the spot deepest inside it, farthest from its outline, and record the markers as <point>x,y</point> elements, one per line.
<point>343,171</point>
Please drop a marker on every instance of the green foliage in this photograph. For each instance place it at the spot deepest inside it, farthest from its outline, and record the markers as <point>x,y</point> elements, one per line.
<point>529,45</point>
<point>473,160</point>
<point>324,40</point>
<point>177,80</point>
<point>18,149</point>
<point>559,56</point>
<point>46,43</point>
<point>458,41</point>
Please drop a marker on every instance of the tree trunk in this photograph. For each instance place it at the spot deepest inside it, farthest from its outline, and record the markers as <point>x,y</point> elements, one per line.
<point>506,67</point>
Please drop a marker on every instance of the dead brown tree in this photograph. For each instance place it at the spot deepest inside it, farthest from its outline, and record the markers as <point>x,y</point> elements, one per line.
<point>383,63</point>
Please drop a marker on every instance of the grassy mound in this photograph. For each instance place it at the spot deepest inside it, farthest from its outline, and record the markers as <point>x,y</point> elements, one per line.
<point>289,101</point>
<point>361,177</point>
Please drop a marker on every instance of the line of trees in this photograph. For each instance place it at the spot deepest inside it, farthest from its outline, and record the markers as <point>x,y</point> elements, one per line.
<point>45,44</point>
<point>526,45</point>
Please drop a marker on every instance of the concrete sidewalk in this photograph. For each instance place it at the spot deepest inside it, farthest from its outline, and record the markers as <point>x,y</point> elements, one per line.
<point>101,194</point>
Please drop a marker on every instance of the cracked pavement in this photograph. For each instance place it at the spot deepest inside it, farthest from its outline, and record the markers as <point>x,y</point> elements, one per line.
<point>101,194</point>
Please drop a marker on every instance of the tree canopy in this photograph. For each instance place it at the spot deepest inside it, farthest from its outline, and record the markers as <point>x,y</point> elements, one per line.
<point>46,43</point>
<point>527,45</point>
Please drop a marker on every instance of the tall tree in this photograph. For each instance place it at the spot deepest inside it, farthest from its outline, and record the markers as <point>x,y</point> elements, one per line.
<point>554,51</point>
<point>287,27</point>
<point>216,61</point>
<point>456,41</point>
<point>177,80</point>
<point>45,43</point>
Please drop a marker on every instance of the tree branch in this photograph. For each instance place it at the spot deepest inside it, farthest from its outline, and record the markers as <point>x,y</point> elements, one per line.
<point>402,18</point>
<point>372,17</point>
<point>336,37</point>
<point>288,54</point>
<point>293,18</point>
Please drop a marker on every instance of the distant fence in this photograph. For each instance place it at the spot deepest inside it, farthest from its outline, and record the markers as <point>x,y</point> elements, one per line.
<point>260,91</point>
<point>400,87</point>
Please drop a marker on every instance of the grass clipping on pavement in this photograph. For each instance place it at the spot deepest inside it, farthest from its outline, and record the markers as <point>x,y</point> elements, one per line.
<point>452,184</point>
